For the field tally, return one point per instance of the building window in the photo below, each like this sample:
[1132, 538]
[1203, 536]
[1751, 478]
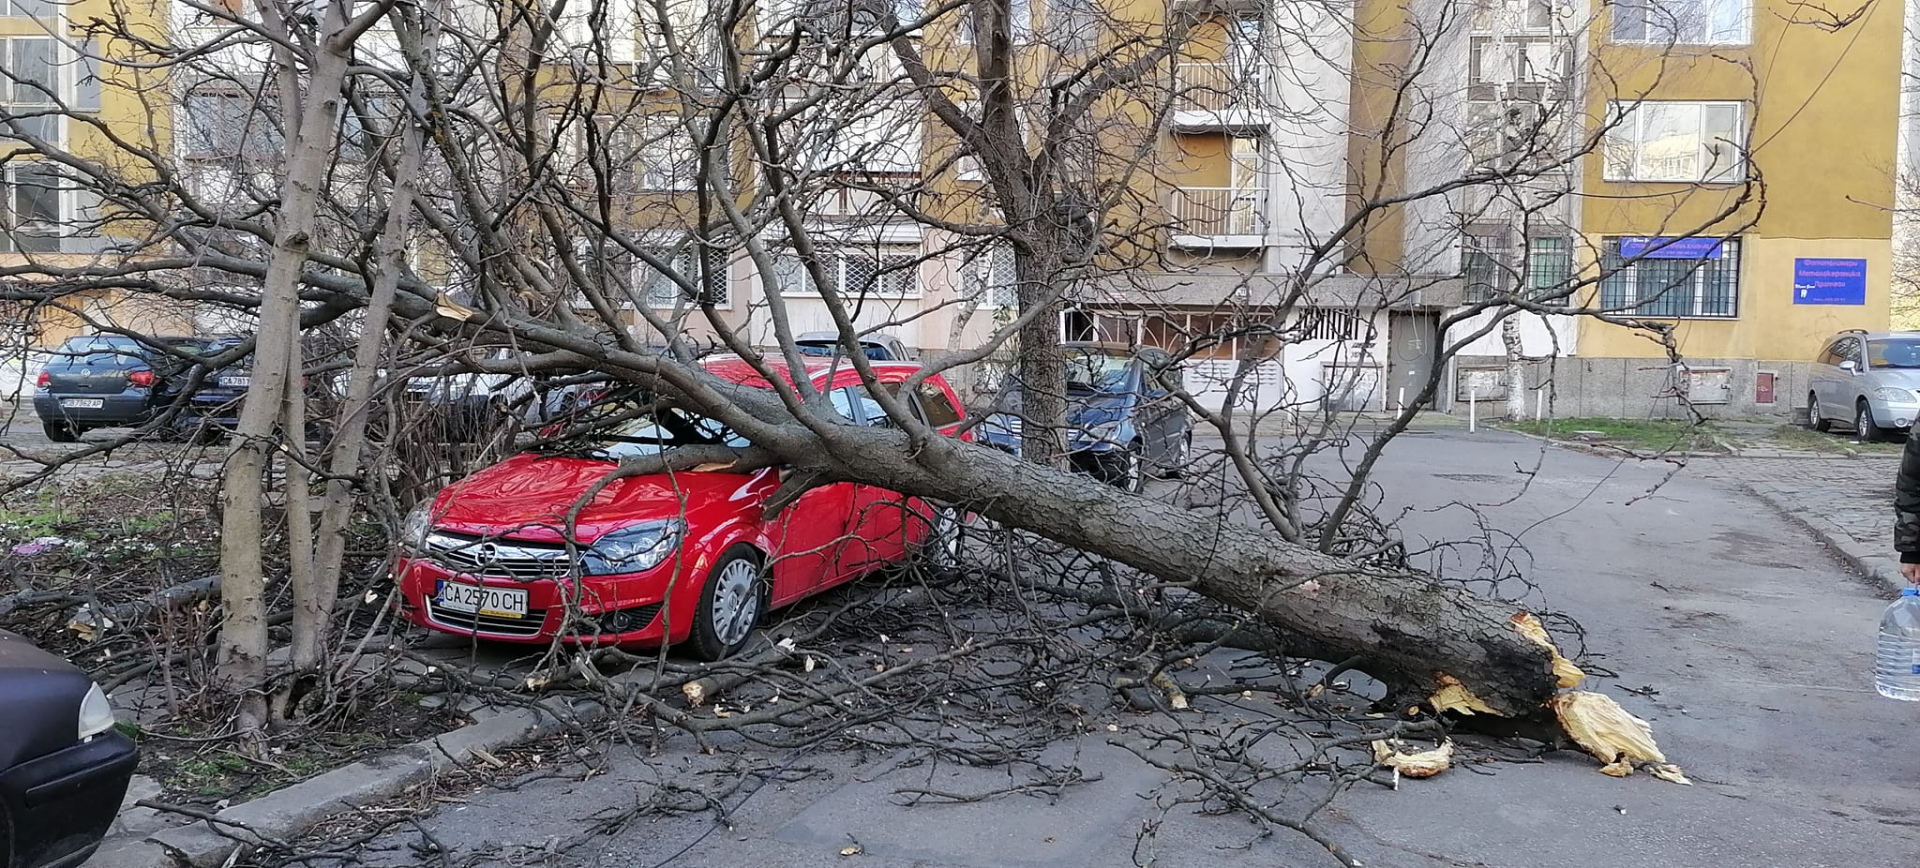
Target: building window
[30, 208]
[861, 272]
[29, 89]
[1073, 26]
[990, 279]
[44, 9]
[1704, 284]
[1483, 260]
[664, 159]
[1683, 22]
[1019, 21]
[1549, 270]
[229, 124]
[702, 267]
[1328, 324]
[1689, 142]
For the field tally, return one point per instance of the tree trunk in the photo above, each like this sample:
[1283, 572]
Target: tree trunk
[1413, 632]
[243, 634]
[1043, 373]
[1516, 367]
[389, 260]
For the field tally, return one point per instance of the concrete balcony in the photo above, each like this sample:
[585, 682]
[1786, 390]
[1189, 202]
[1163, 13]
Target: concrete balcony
[1217, 218]
[1219, 97]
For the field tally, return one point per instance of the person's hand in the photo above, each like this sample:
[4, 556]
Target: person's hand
[1912, 572]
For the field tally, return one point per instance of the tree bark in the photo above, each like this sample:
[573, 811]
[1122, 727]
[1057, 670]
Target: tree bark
[243, 635]
[389, 261]
[1413, 632]
[1516, 367]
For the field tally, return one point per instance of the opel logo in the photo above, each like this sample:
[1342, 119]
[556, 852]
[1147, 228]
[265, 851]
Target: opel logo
[489, 553]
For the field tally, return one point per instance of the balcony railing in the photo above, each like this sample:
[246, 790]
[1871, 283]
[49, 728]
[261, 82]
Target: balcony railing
[1219, 87]
[1218, 212]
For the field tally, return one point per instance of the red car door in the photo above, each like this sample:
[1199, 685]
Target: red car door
[808, 542]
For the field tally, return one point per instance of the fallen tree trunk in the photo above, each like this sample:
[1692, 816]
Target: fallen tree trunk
[1431, 643]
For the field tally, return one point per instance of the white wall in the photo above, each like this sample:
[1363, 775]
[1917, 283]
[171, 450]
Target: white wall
[1309, 87]
[1540, 335]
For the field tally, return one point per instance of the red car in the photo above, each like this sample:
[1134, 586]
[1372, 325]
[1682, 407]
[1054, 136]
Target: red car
[678, 558]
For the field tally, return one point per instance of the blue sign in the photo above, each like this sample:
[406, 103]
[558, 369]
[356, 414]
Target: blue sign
[1829, 281]
[1670, 248]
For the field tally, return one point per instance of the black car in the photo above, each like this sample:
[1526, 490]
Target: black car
[107, 381]
[1123, 421]
[64, 766]
[214, 408]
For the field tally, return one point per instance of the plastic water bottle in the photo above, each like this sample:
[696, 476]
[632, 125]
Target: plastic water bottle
[1896, 671]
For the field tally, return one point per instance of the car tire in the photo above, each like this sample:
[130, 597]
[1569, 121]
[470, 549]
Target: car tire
[61, 432]
[939, 550]
[1175, 462]
[1131, 475]
[720, 623]
[1864, 428]
[1814, 420]
[208, 434]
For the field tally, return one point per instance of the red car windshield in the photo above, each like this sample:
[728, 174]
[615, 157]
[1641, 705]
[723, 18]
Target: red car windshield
[631, 426]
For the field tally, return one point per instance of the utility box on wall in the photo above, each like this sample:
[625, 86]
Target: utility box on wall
[1763, 387]
[1481, 384]
[1708, 385]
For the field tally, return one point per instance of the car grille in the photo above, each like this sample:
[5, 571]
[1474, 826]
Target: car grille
[492, 624]
[520, 561]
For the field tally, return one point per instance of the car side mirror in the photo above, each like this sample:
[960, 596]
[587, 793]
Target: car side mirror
[1850, 366]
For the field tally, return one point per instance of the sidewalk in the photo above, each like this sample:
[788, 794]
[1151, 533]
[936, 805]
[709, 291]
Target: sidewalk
[1846, 503]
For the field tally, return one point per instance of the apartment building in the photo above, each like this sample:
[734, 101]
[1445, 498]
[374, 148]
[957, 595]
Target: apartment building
[1718, 172]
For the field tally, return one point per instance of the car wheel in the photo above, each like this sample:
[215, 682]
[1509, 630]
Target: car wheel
[208, 434]
[1814, 419]
[1864, 428]
[61, 432]
[1130, 475]
[940, 549]
[1175, 462]
[730, 605]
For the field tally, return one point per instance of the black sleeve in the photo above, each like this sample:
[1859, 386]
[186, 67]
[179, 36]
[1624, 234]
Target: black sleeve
[1906, 504]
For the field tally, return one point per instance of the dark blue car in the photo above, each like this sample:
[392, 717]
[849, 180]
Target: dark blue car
[64, 766]
[1123, 422]
[108, 381]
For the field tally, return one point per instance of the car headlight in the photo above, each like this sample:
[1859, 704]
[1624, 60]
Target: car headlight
[414, 528]
[96, 714]
[1893, 395]
[633, 549]
[1105, 432]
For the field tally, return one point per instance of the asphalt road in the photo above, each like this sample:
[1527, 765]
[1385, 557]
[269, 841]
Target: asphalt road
[1757, 642]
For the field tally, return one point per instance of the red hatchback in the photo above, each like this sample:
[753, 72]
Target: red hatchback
[684, 557]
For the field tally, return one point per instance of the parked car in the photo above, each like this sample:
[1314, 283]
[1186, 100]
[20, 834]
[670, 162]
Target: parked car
[688, 557]
[1123, 421]
[463, 407]
[108, 381]
[214, 408]
[1868, 379]
[64, 767]
[880, 347]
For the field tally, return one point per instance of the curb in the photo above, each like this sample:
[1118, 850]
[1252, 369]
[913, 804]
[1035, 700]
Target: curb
[1869, 561]
[285, 813]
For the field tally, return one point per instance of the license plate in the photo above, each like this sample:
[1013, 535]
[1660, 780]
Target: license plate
[478, 600]
[83, 403]
[236, 382]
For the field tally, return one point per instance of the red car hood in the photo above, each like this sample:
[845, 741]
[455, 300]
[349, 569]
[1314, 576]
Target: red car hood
[528, 496]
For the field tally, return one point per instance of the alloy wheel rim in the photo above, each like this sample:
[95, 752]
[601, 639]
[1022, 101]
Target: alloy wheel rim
[1813, 411]
[946, 543]
[734, 602]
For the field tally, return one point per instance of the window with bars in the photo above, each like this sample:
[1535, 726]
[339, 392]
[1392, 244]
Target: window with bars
[704, 267]
[860, 271]
[1549, 270]
[1483, 260]
[989, 278]
[1329, 324]
[230, 124]
[1661, 287]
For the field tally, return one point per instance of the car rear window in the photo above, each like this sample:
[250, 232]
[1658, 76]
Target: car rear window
[97, 350]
